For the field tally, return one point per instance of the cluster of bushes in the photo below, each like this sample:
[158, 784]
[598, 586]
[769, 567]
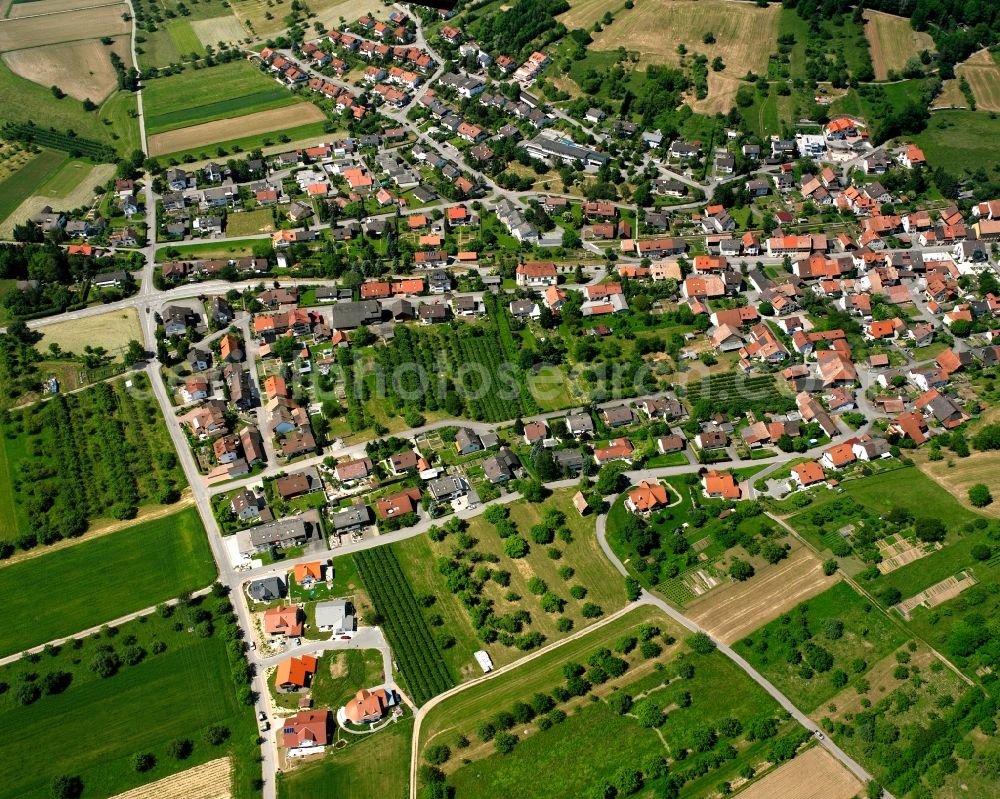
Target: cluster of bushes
[468, 571]
[797, 644]
[915, 761]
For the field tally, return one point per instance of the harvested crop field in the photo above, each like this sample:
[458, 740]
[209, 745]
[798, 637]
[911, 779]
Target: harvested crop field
[112, 330]
[36, 7]
[983, 75]
[737, 609]
[815, 774]
[584, 13]
[71, 186]
[224, 129]
[892, 42]
[745, 36]
[81, 69]
[980, 467]
[253, 13]
[210, 780]
[218, 29]
[71, 26]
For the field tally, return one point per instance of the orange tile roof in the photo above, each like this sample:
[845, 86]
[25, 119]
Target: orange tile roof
[841, 454]
[305, 571]
[809, 472]
[721, 484]
[648, 496]
[617, 448]
[282, 620]
[295, 671]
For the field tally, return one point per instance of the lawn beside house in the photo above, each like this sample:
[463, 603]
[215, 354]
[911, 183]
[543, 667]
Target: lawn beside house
[371, 767]
[62, 592]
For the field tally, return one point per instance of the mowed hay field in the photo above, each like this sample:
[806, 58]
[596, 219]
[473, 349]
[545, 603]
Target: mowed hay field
[104, 578]
[71, 186]
[81, 69]
[87, 23]
[892, 42]
[205, 95]
[36, 7]
[218, 29]
[815, 774]
[210, 780]
[983, 75]
[584, 13]
[225, 129]
[112, 330]
[744, 38]
[980, 467]
[735, 609]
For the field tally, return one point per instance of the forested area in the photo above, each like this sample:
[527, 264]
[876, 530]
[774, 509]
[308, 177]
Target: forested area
[100, 453]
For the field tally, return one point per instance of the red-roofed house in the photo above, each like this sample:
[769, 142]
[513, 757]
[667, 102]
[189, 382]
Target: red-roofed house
[838, 456]
[618, 449]
[807, 474]
[647, 497]
[306, 733]
[720, 485]
[284, 621]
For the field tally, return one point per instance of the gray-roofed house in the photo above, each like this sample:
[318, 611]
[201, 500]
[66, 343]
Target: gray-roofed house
[267, 589]
[619, 417]
[336, 616]
[570, 460]
[288, 532]
[580, 424]
[467, 442]
[500, 468]
[351, 519]
[350, 315]
[444, 489]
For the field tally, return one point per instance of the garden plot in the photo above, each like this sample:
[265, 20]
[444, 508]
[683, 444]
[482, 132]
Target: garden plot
[937, 594]
[897, 551]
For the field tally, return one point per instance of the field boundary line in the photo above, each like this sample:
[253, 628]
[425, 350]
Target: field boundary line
[39, 648]
[64, 11]
[186, 501]
[451, 692]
